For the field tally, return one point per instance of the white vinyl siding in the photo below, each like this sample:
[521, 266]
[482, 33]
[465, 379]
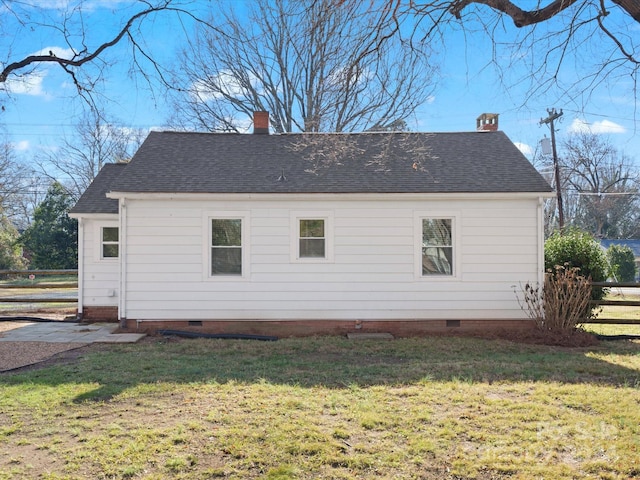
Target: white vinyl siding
[101, 276]
[376, 247]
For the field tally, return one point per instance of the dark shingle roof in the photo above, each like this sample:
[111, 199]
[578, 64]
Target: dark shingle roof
[94, 199]
[179, 162]
[633, 244]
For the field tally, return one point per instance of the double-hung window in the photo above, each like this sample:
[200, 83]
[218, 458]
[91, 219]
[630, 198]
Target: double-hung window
[109, 242]
[437, 247]
[226, 246]
[312, 237]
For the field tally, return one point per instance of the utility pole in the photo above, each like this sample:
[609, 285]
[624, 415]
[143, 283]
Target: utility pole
[553, 115]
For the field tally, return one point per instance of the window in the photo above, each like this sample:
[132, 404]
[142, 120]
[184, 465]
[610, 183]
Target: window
[226, 246]
[109, 242]
[437, 246]
[312, 238]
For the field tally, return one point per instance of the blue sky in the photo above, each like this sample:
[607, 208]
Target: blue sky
[44, 107]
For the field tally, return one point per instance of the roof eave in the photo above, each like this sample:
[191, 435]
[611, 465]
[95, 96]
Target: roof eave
[323, 195]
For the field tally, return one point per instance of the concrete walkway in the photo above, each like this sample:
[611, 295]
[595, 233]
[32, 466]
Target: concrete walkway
[64, 332]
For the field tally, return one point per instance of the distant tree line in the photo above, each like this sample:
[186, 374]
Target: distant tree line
[600, 187]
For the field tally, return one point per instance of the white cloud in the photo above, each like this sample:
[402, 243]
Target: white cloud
[202, 92]
[57, 51]
[603, 126]
[66, 5]
[223, 84]
[524, 148]
[22, 146]
[30, 84]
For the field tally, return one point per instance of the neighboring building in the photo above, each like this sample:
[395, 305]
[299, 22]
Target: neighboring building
[299, 234]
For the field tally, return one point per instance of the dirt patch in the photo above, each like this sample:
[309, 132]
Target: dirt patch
[575, 339]
[17, 355]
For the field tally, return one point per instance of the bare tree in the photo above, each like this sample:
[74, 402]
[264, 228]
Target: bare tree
[9, 174]
[554, 38]
[310, 63]
[71, 43]
[21, 188]
[79, 158]
[602, 185]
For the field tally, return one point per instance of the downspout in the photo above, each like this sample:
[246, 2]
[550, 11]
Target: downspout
[122, 299]
[80, 268]
[540, 241]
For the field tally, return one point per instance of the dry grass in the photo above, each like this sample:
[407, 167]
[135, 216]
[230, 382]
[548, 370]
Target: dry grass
[432, 408]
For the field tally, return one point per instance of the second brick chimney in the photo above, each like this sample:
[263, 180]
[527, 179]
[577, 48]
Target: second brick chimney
[487, 122]
[261, 122]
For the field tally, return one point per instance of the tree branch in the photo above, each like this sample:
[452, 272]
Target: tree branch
[615, 40]
[521, 18]
[632, 7]
[76, 60]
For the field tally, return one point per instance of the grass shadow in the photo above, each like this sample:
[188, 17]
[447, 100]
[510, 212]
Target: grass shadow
[335, 362]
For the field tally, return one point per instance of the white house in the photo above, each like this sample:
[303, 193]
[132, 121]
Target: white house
[299, 234]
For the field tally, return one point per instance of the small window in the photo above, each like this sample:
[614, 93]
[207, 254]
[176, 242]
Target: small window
[312, 238]
[437, 246]
[110, 247]
[226, 246]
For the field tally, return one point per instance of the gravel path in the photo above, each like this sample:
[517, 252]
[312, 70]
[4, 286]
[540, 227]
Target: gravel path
[20, 354]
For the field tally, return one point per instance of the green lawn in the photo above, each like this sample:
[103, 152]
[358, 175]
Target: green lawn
[431, 408]
[614, 311]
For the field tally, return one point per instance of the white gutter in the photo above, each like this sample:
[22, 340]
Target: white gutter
[328, 196]
[541, 241]
[95, 216]
[122, 298]
[80, 267]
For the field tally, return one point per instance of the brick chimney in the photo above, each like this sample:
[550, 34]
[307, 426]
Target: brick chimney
[261, 123]
[487, 122]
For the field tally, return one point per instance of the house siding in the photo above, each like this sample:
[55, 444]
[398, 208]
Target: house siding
[100, 278]
[372, 276]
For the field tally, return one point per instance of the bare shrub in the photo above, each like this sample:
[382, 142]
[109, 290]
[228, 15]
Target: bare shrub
[562, 303]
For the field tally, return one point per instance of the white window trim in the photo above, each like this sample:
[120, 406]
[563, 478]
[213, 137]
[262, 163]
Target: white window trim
[98, 241]
[455, 240]
[206, 245]
[294, 249]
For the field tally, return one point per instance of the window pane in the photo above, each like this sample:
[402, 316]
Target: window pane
[226, 232]
[110, 234]
[437, 261]
[110, 250]
[436, 232]
[437, 246]
[312, 248]
[312, 228]
[226, 261]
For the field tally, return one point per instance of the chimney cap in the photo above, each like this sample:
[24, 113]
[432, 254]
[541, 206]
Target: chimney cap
[487, 122]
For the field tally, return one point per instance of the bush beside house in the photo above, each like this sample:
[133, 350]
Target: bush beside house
[576, 248]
